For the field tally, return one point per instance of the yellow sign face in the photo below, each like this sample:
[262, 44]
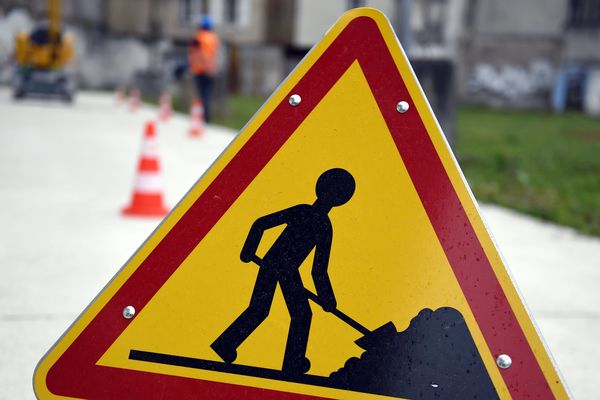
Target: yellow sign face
[333, 251]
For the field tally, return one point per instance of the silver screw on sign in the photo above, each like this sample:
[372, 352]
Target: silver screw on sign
[295, 99]
[402, 107]
[128, 312]
[504, 361]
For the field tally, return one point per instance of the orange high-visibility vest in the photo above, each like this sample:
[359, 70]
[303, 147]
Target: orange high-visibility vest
[203, 58]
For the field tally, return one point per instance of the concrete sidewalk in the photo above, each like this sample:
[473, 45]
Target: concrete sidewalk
[66, 171]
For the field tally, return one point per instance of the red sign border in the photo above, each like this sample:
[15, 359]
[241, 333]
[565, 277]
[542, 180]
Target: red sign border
[76, 374]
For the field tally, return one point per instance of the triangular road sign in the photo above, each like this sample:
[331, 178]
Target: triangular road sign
[342, 192]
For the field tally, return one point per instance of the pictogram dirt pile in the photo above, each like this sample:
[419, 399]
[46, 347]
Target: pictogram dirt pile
[435, 358]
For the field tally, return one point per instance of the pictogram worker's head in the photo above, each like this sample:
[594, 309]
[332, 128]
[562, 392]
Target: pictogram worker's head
[335, 187]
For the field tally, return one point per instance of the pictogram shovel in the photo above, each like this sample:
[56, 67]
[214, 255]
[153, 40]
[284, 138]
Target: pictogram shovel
[370, 339]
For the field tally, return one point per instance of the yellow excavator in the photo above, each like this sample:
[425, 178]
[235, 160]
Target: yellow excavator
[42, 56]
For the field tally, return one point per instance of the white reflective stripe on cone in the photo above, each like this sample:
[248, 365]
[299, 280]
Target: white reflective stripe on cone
[148, 183]
[149, 148]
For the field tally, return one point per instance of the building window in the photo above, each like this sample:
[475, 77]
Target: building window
[231, 11]
[184, 10]
[431, 27]
[188, 11]
[204, 7]
[583, 14]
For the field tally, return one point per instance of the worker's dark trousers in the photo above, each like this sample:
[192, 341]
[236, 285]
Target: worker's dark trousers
[258, 310]
[204, 87]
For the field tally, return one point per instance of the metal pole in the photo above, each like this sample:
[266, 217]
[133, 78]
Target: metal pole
[402, 14]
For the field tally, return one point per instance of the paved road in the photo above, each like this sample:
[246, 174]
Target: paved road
[66, 171]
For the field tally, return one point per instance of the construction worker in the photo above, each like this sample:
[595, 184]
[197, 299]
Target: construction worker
[203, 53]
[307, 227]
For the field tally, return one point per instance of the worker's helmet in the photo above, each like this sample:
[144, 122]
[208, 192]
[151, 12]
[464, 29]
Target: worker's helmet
[206, 22]
[335, 187]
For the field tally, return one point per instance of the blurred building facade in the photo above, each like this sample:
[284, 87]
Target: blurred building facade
[509, 53]
[533, 53]
[578, 81]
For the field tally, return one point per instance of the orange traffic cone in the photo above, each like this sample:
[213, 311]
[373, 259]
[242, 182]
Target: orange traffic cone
[147, 199]
[134, 100]
[197, 117]
[165, 106]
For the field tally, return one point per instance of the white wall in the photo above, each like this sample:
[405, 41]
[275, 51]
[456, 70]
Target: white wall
[531, 17]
